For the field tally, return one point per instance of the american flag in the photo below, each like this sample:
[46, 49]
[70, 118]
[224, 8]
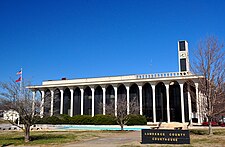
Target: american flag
[19, 72]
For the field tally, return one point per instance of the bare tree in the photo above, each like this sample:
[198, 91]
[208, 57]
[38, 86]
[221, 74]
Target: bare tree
[20, 99]
[122, 117]
[209, 62]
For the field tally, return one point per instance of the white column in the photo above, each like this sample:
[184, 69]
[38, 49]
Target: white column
[61, 104]
[93, 101]
[51, 108]
[115, 90]
[182, 102]
[168, 102]
[33, 102]
[128, 100]
[82, 101]
[103, 105]
[197, 102]
[153, 103]
[42, 103]
[201, 101]
[71, 102]
[140, 96]
[189, 105]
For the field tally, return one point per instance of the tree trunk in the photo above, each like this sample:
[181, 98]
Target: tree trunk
[210, 128]
[27, 133]
[210, 125]
[121, 126]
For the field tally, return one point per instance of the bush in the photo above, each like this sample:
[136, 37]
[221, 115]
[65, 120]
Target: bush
[213, 123]
[104, 120]
[48, 120]
[52, 120]
[135, 119]
[222, 124]
[61, 119]
[37, 120]
[89, 120]
[81, 120]
[64, 119]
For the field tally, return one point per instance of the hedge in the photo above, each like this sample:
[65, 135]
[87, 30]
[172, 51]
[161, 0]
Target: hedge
[104, 120]
[81, 120]
[88, 120]
[136, 120]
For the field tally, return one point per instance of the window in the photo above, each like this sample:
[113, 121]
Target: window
[182, 45]
[183, 65]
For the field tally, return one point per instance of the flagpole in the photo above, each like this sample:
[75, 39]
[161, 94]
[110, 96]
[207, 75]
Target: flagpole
[21, 80]
[20, 90]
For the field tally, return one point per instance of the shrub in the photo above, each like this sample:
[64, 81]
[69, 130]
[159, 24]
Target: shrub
[61, 119]
[64, 119]
[48, 120]
[135, 119]
[52, 120]
[89, 120]
[213, 123]
[104, 120]
[222, 124]
[205, 123]
[81, 120]
[40, 120]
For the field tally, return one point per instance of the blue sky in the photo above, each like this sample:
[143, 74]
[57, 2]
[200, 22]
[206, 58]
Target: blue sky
[90, 38]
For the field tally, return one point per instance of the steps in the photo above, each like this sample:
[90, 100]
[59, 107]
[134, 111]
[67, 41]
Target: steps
[171, 125]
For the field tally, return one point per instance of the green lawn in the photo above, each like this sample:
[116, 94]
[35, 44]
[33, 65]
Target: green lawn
[4, 121]
[199, 137]
[47, 137]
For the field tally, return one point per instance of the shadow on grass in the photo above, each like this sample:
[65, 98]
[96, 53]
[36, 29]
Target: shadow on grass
[199, 132]
[7, 144]
[46, 137]
[34, 139]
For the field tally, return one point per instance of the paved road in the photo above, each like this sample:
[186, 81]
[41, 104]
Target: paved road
[115, 140]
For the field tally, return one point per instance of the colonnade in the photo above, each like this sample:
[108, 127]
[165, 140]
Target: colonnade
[162, 101]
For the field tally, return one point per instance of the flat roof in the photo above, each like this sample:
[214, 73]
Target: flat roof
[169, 76]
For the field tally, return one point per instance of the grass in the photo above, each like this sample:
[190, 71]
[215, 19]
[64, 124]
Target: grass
[47, 137]
[4, 121]
[198, 137]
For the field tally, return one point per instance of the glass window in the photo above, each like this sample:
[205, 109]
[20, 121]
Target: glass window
[182, 45]
[183, 65]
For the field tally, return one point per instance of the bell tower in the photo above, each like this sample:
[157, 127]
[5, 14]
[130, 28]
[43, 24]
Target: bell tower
[183, 56]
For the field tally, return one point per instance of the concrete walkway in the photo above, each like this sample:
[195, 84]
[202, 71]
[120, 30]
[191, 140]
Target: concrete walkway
[115, 140]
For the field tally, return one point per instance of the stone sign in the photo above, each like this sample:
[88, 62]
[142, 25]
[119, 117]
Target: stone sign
[160, 136]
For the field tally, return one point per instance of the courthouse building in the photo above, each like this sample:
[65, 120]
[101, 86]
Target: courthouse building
[167, 97]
